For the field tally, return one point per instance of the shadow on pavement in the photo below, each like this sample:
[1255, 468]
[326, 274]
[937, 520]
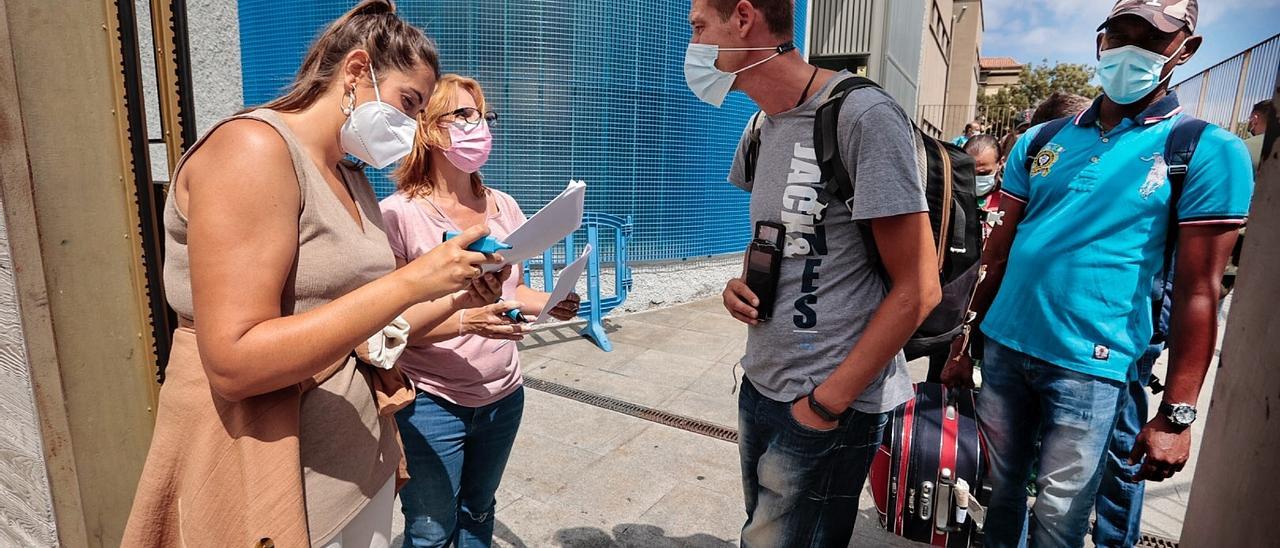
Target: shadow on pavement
[506, 535]
[561, 333]
[630, 535]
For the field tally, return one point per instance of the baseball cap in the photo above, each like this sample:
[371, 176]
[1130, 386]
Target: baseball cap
[1166, 15]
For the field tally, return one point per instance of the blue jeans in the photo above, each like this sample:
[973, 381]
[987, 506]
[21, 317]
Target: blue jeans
[1072, 414]
[1119, 499]
[456, 456]
[801, 485]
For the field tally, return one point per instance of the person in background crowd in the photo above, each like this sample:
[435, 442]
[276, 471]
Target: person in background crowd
[1261, 115]
[269, 431]
[823, 373]
[1024, 121]
[970, 129]
[1059, 104]
[985, 152]
[1006, 143]
[459, 430]
[1063, 333]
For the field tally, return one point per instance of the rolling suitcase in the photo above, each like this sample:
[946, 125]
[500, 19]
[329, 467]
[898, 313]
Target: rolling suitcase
[928, 477]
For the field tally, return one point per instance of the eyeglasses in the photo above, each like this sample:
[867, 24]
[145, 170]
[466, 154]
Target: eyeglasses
[470, 116]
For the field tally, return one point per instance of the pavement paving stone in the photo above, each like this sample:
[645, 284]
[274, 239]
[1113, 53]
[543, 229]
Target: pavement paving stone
[673, 340]
[581, 350]
[664, 368]
[602, 381]
[718, 323]
[540, 467]
[587, 427]
[670, 317]
[693, 515]
[618, 488]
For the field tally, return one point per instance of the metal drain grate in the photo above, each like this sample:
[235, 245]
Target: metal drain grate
[1149, 540]
[639, 411]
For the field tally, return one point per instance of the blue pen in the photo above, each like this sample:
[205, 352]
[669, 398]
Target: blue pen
[488, 245]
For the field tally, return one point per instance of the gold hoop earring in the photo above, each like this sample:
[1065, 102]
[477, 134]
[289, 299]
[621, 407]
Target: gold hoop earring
[349, 102]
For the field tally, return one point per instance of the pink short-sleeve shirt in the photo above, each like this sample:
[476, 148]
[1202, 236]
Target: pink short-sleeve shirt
[470, 370]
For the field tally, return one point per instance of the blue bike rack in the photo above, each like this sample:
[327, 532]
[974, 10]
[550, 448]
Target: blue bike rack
[594, 307]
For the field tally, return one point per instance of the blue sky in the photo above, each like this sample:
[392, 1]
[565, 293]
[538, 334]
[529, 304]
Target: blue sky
[1063, 30]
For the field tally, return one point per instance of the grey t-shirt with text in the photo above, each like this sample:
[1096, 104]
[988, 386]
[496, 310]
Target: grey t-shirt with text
[828, 291]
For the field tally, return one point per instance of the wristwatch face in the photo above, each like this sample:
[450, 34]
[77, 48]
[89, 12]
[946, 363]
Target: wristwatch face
[1182, 414]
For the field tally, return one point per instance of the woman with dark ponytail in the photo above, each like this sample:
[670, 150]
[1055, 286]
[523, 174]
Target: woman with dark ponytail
[275, 423]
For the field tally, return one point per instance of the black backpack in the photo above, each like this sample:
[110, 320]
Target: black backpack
[948, 173]
[1179, 147]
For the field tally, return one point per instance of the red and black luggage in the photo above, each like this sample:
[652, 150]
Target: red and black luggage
[930, 444]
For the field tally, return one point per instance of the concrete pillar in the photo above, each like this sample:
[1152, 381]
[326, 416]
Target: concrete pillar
[1237, 486]
[77, 387]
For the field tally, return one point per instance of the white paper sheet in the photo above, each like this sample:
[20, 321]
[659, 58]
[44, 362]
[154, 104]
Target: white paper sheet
[559, 218]
[568, 280]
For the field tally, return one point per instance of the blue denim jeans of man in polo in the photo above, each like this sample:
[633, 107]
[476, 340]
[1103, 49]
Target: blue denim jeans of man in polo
[801, 485]
[456, 456]
[1119, 502]
[1022, 399]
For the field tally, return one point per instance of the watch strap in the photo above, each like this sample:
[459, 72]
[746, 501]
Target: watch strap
[820, 410]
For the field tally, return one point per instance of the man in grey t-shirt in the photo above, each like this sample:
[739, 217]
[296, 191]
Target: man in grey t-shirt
[822, 374]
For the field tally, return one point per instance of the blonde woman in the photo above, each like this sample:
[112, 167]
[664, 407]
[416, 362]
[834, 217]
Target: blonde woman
[459, 431]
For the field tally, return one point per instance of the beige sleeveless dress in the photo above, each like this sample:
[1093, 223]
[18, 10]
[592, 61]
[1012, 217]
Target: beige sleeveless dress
[347, 452]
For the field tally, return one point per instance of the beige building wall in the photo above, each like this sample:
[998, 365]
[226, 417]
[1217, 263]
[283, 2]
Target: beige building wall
[996, 80]
[962, 80]
[934, 64]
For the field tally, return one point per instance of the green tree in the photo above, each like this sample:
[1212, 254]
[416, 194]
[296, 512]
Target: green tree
[1037, 82]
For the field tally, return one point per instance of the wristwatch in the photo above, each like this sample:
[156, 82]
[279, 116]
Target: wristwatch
[821, 411]
[1180, 414]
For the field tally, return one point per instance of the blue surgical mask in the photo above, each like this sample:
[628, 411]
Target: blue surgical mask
[1129, 73]
[985, 183]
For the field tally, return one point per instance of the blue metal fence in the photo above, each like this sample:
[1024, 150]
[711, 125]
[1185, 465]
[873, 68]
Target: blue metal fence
[586, 89]
[596, 305]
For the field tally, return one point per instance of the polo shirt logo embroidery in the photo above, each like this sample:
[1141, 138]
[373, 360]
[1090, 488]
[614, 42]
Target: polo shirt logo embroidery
[1045, 159]
[1156, 176]
[1101, 352]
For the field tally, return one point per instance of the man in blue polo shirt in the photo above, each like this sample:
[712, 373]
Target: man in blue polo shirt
[1066, 304]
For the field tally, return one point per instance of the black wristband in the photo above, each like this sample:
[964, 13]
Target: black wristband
[821, 411]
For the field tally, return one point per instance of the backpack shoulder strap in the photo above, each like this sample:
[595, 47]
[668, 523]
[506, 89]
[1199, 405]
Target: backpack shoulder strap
[1042, 138]
[752, 153]
[1179, 148]
[826, 138]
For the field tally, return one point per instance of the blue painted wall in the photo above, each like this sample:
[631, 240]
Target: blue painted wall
[590, 90]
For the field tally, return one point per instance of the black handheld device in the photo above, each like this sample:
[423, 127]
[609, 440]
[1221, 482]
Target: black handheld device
[764, 264]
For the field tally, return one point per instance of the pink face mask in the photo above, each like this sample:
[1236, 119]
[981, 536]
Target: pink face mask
[471, 146]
